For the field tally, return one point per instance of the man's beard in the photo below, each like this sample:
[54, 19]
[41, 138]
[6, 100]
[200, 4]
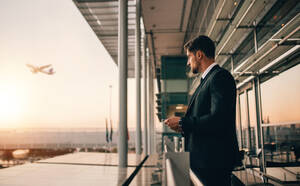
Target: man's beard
[195, 71]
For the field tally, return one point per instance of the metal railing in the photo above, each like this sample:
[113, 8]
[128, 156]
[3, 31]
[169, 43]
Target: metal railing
[177, 170]
[170, 175]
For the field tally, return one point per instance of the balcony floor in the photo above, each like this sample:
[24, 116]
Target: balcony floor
[82, 168]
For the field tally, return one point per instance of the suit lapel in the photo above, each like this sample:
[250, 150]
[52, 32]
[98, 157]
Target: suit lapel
[199, 87]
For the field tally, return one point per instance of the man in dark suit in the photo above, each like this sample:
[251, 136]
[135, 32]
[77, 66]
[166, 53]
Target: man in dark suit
[209, 122]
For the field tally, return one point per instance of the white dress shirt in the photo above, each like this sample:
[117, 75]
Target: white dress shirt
[208, 69]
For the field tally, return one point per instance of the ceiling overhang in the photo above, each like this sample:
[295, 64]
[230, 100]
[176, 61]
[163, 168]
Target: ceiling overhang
[102, 16]
[165, 25]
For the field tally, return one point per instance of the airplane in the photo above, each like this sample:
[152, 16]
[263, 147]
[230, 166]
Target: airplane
[36, 69]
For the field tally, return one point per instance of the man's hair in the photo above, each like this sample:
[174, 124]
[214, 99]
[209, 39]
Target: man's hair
[203, 43]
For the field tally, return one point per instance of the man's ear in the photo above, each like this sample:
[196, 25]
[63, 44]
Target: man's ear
[199, 54]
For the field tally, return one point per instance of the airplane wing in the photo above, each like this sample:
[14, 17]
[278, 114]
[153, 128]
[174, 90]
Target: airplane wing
[30, 66]
[33, 69]
[45, 66]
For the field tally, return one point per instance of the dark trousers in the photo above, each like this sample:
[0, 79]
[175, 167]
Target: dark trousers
[213, 177]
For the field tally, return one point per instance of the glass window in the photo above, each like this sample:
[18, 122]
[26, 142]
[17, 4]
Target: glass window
[280, 97]
[282, 144]
[281, 108]
[252, 108]
[252, 117]
[244, 122]
[238, 123]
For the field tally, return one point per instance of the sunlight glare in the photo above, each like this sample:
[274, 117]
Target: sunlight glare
[10, 104]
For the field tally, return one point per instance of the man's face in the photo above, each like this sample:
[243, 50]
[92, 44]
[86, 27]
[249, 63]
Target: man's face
[192, 62]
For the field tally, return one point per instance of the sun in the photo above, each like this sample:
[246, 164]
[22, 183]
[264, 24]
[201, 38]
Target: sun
[10, 105]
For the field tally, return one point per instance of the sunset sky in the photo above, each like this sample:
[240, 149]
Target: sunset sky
[41, 32]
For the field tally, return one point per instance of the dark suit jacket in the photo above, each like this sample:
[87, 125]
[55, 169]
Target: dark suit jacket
[209, 123]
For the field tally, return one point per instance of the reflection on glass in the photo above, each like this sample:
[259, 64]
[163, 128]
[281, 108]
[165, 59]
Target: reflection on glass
[244, 122]
[280, 97]
[252, 108]
[252, 118]
[282, 144]
[238, 122]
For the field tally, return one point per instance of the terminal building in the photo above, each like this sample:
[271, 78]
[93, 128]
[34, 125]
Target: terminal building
[257, 41]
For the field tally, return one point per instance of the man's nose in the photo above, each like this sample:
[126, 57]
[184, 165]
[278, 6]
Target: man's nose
[188, 63]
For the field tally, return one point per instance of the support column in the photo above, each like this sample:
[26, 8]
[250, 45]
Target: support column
[150, 106]
[239, 120]
[248, 120]
[122, 63]
[138, 144]
[145, 99]
[256, 129]
[259, 122]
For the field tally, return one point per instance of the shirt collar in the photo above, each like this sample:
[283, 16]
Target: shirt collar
[208, 69]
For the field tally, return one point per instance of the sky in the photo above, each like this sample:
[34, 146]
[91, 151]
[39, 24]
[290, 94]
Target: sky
[280, 97]
[41, 32]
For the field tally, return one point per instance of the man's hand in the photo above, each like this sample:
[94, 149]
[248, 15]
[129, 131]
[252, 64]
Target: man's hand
[173, 123]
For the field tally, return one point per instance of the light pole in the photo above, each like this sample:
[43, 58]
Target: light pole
[110, 121]
[110, 92]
